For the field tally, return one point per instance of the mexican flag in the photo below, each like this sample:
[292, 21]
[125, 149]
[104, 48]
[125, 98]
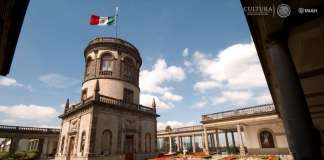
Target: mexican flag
[102, 21]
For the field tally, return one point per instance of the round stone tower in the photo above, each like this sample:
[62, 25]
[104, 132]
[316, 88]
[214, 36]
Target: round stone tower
[114, 64]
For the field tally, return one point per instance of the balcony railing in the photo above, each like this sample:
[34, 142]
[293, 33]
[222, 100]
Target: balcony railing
[255, 110]
[112, 40]
[113, 101]
[29, 129]
[182, 129]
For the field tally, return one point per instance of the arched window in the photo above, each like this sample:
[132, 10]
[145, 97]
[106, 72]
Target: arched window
[106, 63]
[147, 142]
[62, 144]
[106, 142]
[82, 142]
[88, 66]
[266, 139]
[129, 70]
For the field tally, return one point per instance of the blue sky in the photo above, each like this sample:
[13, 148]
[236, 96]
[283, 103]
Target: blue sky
[203, 48]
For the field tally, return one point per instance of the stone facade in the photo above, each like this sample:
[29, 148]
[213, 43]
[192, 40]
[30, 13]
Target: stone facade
[109, 123]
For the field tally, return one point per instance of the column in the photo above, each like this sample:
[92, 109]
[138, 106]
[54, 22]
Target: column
[170, 144]
[13, 145]
[212, 141]
[242, 150]
[44, 149]
[206, 140]
[233, 139]
[178, 144]
[226, 140]
[233, 149]
[217, 141]
[292, 104]
[193, 143]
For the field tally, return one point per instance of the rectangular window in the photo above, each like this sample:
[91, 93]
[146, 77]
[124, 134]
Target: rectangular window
[107, 66]
[128, 95]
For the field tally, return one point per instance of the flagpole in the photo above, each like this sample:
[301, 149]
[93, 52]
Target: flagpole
[116, 21]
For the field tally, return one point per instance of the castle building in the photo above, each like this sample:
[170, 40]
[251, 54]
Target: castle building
[108, 122]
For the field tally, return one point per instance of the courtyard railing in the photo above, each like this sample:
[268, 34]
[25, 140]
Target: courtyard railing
[29, 129]
[255, 110]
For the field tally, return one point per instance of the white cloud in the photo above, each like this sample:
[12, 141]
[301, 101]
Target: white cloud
[187, 63]
[7, 82]
[202, 86]
[171, 96]
[236, 66]
[153, 82]
[147, 99]
[237, 97]
[185, 52]
[235, 72]
[57, 80]
[174, 124]
[200, 104]
[29, 111]
[264, 98]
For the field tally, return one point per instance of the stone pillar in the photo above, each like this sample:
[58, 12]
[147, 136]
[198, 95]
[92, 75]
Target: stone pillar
[181, 143]
[193, 143]
[233, 139]
[44, 148]
[13, 145]
[292, 104]
[206, 149]
[212, 140]
[217, 141]
[226, 140]
[170, 144]
[242, 150]
[178, 144]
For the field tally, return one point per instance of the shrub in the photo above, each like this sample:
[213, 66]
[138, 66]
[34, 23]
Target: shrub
[4, 155]
[32, 154]
[20, 154]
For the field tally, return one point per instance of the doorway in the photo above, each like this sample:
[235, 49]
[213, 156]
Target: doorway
[70, 149]
[129, 147]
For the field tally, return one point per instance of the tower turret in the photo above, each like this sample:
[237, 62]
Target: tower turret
[114, 64]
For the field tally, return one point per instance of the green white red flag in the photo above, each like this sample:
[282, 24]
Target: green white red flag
[102, 21]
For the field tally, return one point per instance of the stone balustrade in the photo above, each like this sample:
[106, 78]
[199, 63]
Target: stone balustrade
[112, 101]
[28, 129]
[255, 110]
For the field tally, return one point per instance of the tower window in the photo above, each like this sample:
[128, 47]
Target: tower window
[106, 62]
[128, 95]
[82, 143]
[84, 94]
[128, 69]
[88, 66]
